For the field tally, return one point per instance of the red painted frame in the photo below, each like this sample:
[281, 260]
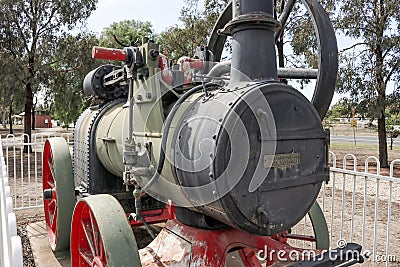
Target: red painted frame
[211, 247]
[156, 216]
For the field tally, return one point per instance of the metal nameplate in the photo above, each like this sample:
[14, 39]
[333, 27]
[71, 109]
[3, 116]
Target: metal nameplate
[282, 161]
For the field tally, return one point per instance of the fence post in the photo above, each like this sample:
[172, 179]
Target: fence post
[4, 259]
[10, 243]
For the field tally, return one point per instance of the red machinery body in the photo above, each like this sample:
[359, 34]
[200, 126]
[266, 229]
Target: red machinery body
[182, 245]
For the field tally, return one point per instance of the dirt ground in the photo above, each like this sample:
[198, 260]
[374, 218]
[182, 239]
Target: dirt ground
[362, 154]
[346, 214]
[335, 198]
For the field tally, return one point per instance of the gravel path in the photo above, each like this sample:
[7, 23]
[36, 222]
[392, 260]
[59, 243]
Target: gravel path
[24, 218]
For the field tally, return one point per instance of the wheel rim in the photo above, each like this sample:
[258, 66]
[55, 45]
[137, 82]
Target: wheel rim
[101, 235]
[50, 206]
[320, 226]
[91, 249]
[58, 192]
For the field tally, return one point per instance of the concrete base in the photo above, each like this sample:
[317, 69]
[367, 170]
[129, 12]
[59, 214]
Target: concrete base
[41, 250]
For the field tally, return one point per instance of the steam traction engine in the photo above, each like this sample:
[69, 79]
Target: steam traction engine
[223, 152]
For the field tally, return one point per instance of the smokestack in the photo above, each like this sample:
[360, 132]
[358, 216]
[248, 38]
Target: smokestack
[253, 28]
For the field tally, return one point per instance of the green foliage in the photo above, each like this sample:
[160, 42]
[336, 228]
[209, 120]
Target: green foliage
[9, 82]
[391, 132]
[197, 18]
[68, 71]
[177, 42]
[299, 38]
[368, 66]
[30, 33]
[126, 31]
[374, 60]
[393, 107]
[342, 109]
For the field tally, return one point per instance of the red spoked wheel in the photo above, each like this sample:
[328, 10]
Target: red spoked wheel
[58, 192]
[101, 234]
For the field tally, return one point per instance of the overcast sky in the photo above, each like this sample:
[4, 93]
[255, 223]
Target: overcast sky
[161, 14]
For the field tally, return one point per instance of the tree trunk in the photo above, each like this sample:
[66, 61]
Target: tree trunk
[29, 99]
[383, 154]
[281, 56]
[279, 46]
[10, 118]
[33, 117]
[381, 90]
[391, 142]
[28, 115]
[3, 118]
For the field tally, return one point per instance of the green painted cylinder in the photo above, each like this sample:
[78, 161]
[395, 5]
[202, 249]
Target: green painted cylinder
[109, 139]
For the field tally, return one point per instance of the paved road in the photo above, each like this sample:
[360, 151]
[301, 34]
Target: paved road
[360, 139]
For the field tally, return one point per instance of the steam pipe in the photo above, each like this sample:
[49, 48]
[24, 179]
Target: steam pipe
[130, 99]
[224, 68]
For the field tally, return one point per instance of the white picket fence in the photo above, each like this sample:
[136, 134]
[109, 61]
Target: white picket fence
[363, 206]
[10, 242]
[360, 206]
[25, 168]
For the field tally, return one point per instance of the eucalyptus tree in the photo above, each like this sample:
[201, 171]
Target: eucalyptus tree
[63, 90]
[11, 89]
[373, 60]
[127, 32]
[30, 28]
[196, 22]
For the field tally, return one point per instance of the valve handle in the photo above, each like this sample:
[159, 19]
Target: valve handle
[109, 53]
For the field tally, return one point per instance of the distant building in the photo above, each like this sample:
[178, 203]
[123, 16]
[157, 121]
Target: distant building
[42, 119]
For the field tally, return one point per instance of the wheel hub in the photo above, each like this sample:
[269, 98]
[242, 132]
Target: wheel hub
[50, 194]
